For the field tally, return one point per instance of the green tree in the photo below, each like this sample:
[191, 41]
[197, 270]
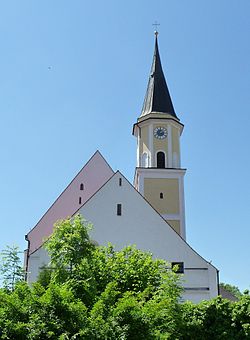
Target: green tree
[91, 293]
[11, 269]
[127, 293]
[216, 319]
[44, 276]
[69, 244]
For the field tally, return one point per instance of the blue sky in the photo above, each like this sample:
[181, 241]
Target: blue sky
[73, 79]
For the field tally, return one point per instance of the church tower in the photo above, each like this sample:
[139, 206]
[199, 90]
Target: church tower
[159, 176]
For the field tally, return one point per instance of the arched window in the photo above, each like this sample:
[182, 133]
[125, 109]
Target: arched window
[161, 195]
[160, 160]
[81, 186]
[144, 160]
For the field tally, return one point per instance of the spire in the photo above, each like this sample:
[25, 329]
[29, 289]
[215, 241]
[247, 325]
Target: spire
[157, 97]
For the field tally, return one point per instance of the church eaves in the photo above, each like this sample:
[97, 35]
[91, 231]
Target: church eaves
[157, 98]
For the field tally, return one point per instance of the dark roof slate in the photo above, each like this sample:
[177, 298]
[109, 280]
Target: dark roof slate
[157, 98]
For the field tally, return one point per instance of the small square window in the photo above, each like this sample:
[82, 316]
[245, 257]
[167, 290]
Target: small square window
[119, 209]
[180, 267]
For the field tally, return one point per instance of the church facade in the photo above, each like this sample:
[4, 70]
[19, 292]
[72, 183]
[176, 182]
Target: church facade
[151, 212]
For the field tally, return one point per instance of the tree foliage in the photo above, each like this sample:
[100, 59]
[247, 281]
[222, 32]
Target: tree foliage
[69, 244]
[217, 319]
[11, 269]
[90, 292]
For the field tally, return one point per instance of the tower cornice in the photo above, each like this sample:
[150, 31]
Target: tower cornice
[156, 118]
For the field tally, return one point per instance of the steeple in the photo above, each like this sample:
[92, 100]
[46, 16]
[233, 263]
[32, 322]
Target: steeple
[157, 98]
[159, 176]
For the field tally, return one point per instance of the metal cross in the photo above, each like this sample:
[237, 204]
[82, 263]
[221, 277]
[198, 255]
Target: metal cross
[156, 24]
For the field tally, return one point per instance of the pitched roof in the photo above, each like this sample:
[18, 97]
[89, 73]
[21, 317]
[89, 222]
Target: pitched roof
[157, 98]
[227, 295]
[155, 230]
[92, 176]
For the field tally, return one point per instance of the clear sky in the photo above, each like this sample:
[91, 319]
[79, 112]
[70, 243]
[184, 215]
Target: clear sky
[73, 79]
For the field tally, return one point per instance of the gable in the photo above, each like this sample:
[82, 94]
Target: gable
[138, 223]
[90, 178]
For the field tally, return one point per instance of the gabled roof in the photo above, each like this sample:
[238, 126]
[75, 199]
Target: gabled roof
[227, 295]
[92, 176]
[141, 224]
[157, 98]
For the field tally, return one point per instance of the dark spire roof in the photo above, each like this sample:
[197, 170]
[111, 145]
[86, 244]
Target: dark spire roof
[157, 97]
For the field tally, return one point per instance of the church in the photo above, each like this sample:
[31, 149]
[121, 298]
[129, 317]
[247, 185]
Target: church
[149, 213]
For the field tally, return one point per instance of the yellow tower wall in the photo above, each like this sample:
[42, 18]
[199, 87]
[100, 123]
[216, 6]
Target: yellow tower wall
[144, 140]
[175, 224]
[169, 204]
[160, 144]
[175, 141]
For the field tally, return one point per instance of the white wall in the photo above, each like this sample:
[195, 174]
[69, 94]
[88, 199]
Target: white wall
[140, 224]
[36, 261]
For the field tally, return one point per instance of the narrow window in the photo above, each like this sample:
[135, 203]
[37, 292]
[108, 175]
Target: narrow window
[160, 160]
[180, 267]
[161, 195]
[120, 181]
[80, 200]
[81, 186]
[119, 209]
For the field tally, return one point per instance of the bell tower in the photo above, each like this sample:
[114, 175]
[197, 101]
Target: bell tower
[158, 175]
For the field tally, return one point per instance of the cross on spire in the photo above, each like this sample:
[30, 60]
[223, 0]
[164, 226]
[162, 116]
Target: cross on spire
[156, 24]
[157, 98]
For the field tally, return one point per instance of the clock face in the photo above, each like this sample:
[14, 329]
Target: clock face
[160, 132]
